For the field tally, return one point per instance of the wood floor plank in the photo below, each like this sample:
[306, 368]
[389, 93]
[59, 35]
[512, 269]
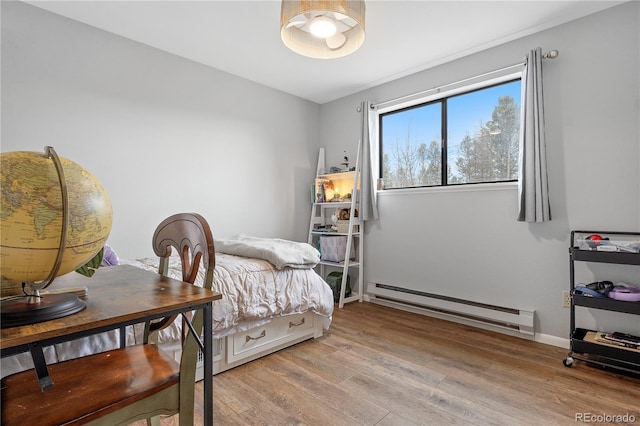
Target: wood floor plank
[494, 396]
[394, 419]
[386, 367]
[355, 407]
[320, 361]
[420, 408]
[370, 360]
[420, 390]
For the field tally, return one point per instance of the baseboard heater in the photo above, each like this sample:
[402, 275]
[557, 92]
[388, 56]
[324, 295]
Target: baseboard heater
[510, 320]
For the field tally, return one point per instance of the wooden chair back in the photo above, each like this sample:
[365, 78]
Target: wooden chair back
[190, 235]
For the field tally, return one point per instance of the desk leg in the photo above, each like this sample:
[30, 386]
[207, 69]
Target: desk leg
[123, 336]
[208, 364]
[40, 365]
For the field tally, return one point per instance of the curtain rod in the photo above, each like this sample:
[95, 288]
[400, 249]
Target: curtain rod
[552, 54]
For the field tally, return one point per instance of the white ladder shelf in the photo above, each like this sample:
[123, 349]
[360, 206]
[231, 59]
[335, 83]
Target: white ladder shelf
[321, 212]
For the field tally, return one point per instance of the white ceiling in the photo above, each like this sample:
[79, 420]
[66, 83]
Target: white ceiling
[402, 37]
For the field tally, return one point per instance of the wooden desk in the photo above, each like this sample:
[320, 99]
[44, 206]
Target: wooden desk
[118, 296]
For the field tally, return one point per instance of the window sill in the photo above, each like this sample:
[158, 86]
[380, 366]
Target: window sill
[500, 186]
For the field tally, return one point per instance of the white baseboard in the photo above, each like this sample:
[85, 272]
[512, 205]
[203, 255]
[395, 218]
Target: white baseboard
[548, 339]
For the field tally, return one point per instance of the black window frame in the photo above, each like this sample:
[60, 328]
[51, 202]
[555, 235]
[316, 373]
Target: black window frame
[443, 140]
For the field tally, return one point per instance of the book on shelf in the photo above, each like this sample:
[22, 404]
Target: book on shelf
[324, 228]
[601, 338]
[622, 339]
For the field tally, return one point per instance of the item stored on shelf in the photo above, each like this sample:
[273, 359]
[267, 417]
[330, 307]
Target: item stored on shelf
[583, 290]
[334, 279]
[601, 338]
[603, 242]
[623, 337]
[603, 287]
[334, 247]
[342, 227]
[629, 294]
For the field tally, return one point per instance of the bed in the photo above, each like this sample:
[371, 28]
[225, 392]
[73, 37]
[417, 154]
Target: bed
[266, 305]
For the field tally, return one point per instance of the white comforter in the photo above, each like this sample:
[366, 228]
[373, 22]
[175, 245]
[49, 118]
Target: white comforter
[281, 253]
[253, 291]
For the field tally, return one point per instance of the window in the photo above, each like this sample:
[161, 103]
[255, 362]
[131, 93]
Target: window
[462, 138]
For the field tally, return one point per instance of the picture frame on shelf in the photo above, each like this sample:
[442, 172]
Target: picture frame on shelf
[320, 194]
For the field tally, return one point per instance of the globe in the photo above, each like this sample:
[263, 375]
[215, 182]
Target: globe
[31, 219]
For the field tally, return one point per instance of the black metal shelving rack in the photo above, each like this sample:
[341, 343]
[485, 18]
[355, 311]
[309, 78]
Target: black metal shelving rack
[603, 355]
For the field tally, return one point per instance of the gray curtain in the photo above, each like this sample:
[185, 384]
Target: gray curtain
[368, 141]
[533, 188]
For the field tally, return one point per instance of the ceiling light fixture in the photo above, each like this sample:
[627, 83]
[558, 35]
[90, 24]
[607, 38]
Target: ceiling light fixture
[322, 29]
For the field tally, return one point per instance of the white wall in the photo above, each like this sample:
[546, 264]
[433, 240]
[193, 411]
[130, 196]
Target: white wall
[468, 244]
[162, 134]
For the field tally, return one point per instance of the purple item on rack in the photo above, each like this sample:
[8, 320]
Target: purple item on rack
[628, 294]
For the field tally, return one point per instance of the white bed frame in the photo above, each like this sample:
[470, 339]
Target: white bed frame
[237, 349]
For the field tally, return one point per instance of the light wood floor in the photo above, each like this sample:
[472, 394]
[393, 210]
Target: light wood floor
[382, 366]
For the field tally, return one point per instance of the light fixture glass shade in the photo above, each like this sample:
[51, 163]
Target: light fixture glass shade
[295, 27]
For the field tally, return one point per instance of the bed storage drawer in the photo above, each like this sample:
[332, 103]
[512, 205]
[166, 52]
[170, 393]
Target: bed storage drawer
[278, 332]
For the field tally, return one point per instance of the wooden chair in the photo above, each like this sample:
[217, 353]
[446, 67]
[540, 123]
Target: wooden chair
[126, 384]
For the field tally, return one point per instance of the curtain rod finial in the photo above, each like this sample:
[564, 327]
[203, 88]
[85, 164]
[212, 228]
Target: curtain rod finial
[552, 54]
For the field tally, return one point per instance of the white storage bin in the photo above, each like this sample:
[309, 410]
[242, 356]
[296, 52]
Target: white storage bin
[333, 248]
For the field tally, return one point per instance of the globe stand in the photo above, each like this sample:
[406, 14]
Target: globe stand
[24, 310]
